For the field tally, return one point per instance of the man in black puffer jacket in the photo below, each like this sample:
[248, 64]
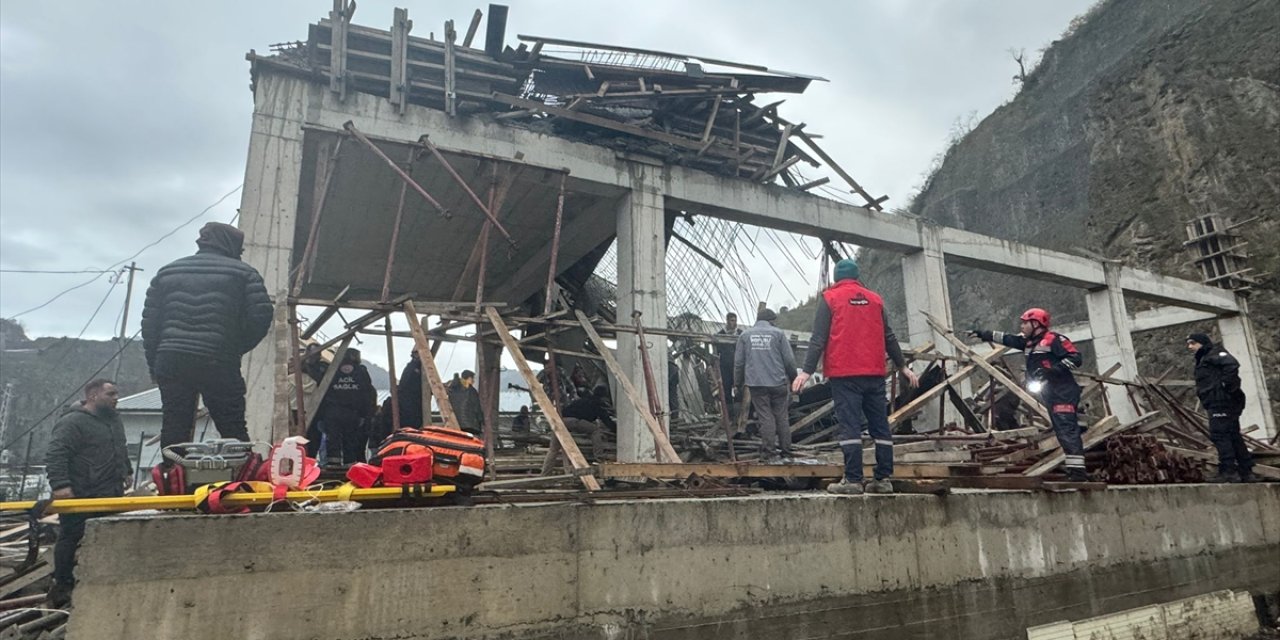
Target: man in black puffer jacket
[203, 312]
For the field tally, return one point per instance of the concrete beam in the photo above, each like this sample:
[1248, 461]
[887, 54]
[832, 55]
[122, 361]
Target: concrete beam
[641, 287]
[1239, 340]
[1148, 320]
[268, 211]
[1154, 287]
[1113, 340]
[924, 276]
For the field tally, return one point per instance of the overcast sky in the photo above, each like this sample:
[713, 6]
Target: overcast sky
[120, 120]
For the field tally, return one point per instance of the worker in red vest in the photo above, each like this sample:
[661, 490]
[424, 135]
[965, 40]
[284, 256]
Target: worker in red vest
[1051, 359]
[852, 336]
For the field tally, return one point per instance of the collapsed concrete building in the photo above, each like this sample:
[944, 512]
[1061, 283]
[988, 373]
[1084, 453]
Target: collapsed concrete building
[484, 184]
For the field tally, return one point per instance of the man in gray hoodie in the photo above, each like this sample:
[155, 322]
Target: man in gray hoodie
[764, 362]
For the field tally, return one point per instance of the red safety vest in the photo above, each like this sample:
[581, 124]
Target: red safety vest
[855, 346]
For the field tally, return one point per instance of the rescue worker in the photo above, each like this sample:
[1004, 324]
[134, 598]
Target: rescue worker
[345, 410]
[1051, 361]
[202, 313]
[851, 334]
[87, 458]
[725, 352]
[765, 363]
[589, 415]
[465, 400]
[1218, 387]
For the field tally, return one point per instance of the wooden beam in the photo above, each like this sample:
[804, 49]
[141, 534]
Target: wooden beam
[432, 373]
[929, 394]
[661, 444]
[947, 334]
[450, 70]
[567, 443]
[472, 28]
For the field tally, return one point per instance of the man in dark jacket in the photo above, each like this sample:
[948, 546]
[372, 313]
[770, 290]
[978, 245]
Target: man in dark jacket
[345, 410]
[86, 458]
[1051, 359]
[409, 393]
[765, 363]
[725, 352]
[203, 312]
[589, 415]
[851, 334]
[1218, 387]
[465, 400]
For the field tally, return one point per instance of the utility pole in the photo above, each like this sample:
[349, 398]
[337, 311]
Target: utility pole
[124, 317]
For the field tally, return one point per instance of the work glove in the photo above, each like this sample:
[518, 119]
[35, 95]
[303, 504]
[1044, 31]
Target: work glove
[981, 334]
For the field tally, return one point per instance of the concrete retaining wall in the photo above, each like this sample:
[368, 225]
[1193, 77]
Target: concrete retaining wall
[982, 565]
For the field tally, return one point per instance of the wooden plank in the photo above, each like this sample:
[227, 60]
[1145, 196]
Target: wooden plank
[962, 373]
[472, 28]
[872, 203]
[711, 121]
[567, 443]
[947, 334]
[322, 388]
[674, 471]
[1105, 428]
[429, 368]
[450, 70]
[662, 444]
[1260, 470]
[37, 574]
[399, 78]
[814, 416]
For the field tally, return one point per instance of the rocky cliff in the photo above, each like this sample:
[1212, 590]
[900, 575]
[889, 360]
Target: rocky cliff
[1145, 115]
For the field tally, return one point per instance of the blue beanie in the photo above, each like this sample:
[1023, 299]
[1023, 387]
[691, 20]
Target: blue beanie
[846, 270]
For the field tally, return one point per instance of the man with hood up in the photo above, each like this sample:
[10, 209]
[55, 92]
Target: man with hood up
[202, 313]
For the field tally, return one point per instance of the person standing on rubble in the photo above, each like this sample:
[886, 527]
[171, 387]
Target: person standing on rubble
[765, 363]
[87, 458]
[1051, 361]
[345, 410]
[725, 351]
[589, 416]
[1218, 387]
[851, 334]
[465, 400]
[202, 314]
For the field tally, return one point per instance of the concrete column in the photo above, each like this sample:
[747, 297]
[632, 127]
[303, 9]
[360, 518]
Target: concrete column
[1113, 339]
[641, 287]
[1238, 339]
[268, 212]
[924, 275]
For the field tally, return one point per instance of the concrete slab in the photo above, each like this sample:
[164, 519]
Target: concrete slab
[971, 565]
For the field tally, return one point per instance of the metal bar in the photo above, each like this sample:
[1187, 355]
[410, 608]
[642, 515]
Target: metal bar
[424, 141]
[651, 385]
[308, 253]
[555, 246]
[351, 128]
[297, 423]
[395, 234]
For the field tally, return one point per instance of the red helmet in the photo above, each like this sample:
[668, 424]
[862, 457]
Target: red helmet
[1036, 314]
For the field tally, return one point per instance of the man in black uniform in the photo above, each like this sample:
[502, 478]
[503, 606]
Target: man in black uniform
[1051, 359]
[350, 402]
[726, 352]
[589, 415]
[1218, 387]
[465, 400]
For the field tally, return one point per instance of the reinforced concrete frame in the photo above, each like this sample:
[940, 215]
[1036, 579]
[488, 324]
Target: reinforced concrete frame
[289, 107]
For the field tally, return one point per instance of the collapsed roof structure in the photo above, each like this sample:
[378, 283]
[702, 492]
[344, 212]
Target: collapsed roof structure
[484, 184]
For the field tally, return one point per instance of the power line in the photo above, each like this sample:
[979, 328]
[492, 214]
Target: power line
[112, 268]
[98, 271]
[57, 407]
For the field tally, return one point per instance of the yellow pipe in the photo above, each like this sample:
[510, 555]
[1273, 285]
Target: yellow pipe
[231, 500]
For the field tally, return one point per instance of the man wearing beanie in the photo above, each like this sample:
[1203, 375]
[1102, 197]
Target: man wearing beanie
[1218, 387]
[764, 362]
[851, 334]
[202, 313]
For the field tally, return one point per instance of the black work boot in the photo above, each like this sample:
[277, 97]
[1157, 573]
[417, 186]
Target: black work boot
[1076, 474]
[1225, 477]
[1249, 476]
[60, 595]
